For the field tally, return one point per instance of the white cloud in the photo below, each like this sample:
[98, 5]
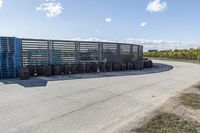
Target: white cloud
[1, 3]
[108, 20]
[149, 44]
[89, 39]
[51, 8]
[143, 24]
[156, 6]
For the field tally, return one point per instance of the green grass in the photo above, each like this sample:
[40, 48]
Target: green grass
[192, 100]
[169, 123]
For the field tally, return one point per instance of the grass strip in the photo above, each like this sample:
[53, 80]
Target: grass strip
[192, 100]
[169, 123]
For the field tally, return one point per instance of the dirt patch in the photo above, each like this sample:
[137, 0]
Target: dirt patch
[176, 105]
[197, 86]
[168, 123]
[191, 100]
[180, 114]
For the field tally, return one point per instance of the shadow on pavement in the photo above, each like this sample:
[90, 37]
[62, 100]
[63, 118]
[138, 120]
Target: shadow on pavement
[42, 81]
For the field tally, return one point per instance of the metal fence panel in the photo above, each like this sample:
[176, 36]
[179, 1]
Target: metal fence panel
[35, 52]
[53, 52]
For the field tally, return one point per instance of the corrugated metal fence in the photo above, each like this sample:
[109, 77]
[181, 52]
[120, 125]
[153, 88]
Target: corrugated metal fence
[51, 52]
[63, 56]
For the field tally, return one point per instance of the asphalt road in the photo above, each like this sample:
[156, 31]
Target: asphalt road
[89, 105]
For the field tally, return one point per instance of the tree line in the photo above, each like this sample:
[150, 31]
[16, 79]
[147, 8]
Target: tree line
[191, 54]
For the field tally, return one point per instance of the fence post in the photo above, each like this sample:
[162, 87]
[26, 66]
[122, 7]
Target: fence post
[131, 52]
[50, 48]
[138, 54]
[77, 52]
[21, 52]
[100, 52]
[118, 52]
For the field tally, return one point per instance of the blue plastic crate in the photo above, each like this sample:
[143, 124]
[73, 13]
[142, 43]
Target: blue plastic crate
[10, 56]
[10, 62]
[4, 66]
[0, 44]
[8, 74]
[11, 44]
[11, 67]
[18, 46]
[4, 74]
[4, 44]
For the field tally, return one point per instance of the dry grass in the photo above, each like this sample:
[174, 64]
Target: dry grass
[169, 123]
[197, 86]
[183, 115]
[191, 100]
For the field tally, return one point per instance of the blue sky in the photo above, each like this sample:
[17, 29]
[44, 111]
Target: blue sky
[140, 20]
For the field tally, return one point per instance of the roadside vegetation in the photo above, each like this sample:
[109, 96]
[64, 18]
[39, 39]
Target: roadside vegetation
[197, 86]
[169, 123]
[191, 100]
[180, 114]
[192, 55]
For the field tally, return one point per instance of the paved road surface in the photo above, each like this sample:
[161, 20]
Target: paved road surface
[103, 104]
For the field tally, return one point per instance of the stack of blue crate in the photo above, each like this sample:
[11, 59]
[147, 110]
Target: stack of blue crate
[10, 57]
